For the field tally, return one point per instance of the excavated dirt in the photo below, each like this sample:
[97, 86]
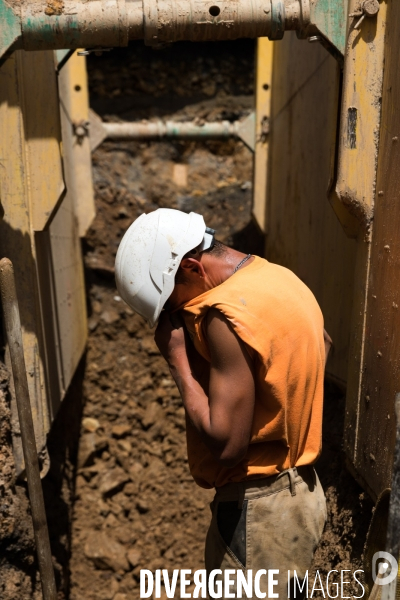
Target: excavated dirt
[135, 503]
[17, 572]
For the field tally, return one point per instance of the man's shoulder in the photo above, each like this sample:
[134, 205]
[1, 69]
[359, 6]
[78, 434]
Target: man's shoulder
[221, 334]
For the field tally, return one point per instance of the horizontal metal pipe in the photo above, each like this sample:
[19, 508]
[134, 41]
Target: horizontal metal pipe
[168, 20]
[170, 130]
[47, 24]
[98, 130]
[96, 23]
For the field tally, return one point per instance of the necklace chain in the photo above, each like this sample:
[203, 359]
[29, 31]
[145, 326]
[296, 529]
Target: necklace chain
[242, 262]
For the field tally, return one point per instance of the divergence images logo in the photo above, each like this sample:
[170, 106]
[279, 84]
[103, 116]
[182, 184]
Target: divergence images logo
[387, 570]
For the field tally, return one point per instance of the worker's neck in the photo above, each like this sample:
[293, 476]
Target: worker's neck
[204, 274]
[219, 268]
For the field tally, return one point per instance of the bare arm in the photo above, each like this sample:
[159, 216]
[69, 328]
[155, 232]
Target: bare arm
[223, 414]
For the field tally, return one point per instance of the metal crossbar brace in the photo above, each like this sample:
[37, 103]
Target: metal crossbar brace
[98, 130]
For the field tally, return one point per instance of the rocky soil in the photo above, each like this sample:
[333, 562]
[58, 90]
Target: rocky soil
[19, 577]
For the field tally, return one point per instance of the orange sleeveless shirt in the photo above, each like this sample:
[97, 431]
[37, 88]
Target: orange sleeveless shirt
[277, 316]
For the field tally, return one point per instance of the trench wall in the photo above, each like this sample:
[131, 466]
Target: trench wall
[303, 232]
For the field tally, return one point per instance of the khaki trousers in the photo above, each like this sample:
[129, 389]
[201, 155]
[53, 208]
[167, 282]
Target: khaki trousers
[271, 523]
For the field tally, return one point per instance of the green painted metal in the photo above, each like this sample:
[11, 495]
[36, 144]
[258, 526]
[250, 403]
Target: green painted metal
[331, 18]
[10, 26]
[50, 32]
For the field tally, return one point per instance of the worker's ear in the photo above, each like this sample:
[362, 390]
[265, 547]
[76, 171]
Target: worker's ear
[192, 266]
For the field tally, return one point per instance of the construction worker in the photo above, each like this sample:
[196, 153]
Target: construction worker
[244, 341]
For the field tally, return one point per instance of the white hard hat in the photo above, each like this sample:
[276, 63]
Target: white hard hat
[149, 256]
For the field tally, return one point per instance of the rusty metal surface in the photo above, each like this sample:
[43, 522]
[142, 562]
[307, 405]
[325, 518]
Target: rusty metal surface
[303, 231]
[263, 112]
[372, 419]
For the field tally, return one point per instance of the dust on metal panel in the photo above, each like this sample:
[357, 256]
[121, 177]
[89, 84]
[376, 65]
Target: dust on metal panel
[71, 24]
[74, 110]
[42, 135]
[303, 231]
[264, 59]
[373, 441]
[353, 199]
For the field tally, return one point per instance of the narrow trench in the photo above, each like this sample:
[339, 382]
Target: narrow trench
[127, 500]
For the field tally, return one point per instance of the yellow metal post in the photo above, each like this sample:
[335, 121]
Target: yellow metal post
[74, 107]
[353, 197]
[264, 57]
[370, 415]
